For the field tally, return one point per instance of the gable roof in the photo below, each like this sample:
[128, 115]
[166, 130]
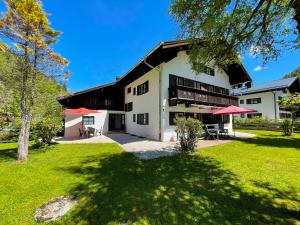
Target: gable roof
[269, 86]
[164, 52]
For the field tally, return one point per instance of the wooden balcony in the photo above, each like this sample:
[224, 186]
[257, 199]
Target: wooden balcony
[181, 95]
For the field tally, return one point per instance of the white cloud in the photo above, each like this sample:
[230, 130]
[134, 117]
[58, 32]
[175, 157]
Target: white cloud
[258, 68]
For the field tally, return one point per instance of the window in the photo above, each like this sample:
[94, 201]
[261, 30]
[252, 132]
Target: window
[189, 83]
[128, 107]
[107, 102]
[143, 119]
[175, 81]
[285, 115]
[206, 118]
[242, 115]
[88, 120]
[93, 101]
[129, 90]
[253, 101]
[173, 116]
[134, 91]
[205, 69]
[253, 115]
[133, 118]
[143, 88]
[211, 88]
[242, 101]
[210, 71]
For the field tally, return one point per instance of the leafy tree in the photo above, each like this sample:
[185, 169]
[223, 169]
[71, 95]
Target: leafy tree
[226, 27]
[30, 36]
[291, 103]
[295, 73]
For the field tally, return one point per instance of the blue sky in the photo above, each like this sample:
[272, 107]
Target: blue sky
[104, 39]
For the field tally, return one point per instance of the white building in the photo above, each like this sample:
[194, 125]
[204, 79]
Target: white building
[265, 98]
[161, 87]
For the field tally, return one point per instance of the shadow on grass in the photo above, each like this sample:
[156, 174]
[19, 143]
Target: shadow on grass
[183, 189]
[275, 141]
[12, 153]
[8, 154]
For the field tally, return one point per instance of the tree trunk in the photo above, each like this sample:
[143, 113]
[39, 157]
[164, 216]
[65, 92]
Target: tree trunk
[23, 145]
[23, 139]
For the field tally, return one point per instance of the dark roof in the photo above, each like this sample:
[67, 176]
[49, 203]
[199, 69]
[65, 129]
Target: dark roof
[86, 90]
[164, 52]
[269, 86]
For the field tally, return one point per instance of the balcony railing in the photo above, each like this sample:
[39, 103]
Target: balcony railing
[179, 95]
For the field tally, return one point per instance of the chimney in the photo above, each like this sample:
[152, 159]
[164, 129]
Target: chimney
[118, 78]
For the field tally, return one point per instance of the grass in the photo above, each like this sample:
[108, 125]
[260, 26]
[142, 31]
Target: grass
[242, 182]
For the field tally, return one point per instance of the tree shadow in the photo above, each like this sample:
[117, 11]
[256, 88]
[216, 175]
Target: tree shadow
[275, 141]
[8, 154]
[183, 189]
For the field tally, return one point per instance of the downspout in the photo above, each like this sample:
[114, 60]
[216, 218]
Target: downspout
[159, 98]
[275, 105]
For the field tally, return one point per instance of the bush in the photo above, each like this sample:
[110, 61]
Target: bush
[286, 126]
[257, 123]
[8, 136]
[188, 132]
[46, 129]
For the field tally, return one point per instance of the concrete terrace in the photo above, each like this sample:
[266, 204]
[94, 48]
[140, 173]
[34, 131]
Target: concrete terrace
[144, 148]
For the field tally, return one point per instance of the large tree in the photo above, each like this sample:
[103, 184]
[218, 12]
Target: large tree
[294, 73]
[229, 27]
[27, 29]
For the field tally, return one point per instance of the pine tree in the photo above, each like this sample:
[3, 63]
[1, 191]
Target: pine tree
[26, 26]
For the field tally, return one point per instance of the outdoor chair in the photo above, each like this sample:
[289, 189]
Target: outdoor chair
[81, 133]
[91, 130]
[222, 130]
[210, 134]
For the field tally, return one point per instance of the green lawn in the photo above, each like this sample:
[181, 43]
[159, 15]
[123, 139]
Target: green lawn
[243, 182]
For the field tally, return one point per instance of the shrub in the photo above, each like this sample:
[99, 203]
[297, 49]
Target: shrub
[286, 126]
[188, 132]
[258, 123]
[8, 136]
[46, 129]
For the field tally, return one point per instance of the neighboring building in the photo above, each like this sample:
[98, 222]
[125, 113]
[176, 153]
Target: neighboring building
[264, 98]
[161, 87]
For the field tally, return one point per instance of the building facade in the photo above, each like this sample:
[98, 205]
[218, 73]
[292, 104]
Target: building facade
[265, 98]
[161, 87]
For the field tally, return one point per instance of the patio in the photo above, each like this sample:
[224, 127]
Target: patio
[144, 148]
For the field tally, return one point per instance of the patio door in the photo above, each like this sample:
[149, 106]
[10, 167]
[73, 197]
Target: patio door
[116, 122]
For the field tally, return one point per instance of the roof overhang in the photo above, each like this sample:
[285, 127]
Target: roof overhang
[162, 53]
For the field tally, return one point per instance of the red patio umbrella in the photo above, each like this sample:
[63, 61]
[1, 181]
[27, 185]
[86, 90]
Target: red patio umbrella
[233, 110]
[81, 111]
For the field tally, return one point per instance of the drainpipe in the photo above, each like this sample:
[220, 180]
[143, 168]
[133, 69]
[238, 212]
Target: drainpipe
[159, 98]
[275, 106]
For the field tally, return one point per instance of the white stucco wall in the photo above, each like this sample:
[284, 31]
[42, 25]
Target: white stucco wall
[180, 66]
[267, 105]
[146, 103]
[74, 122]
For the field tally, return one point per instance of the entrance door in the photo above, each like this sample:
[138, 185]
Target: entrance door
[116, 122]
